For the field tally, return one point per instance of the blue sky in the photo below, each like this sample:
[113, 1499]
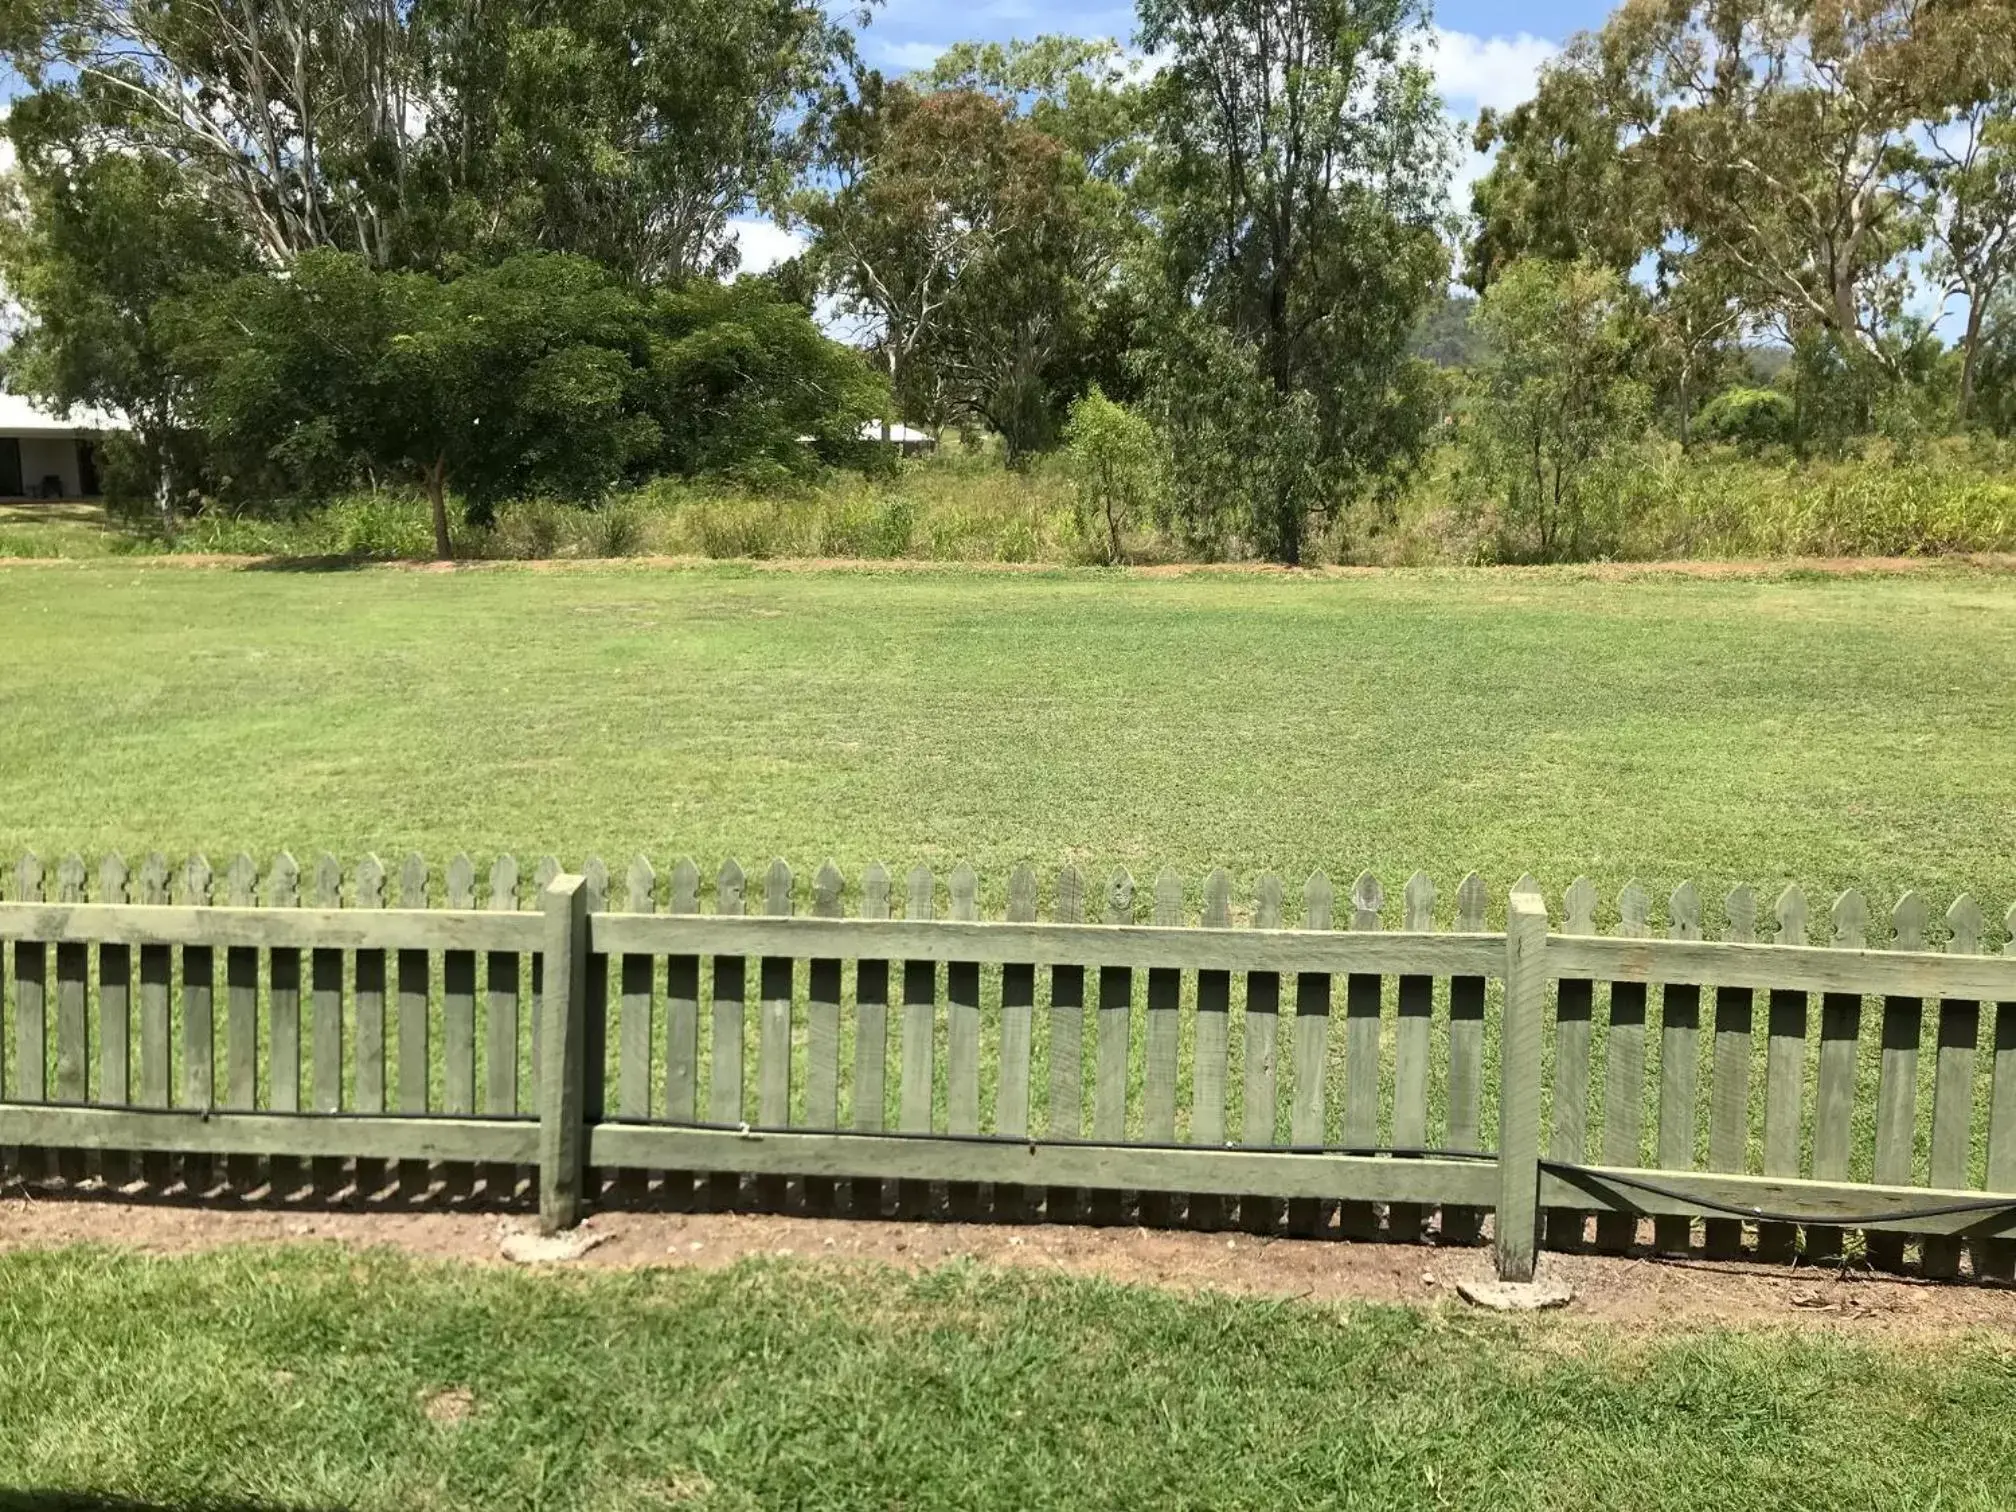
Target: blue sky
[1485, 54]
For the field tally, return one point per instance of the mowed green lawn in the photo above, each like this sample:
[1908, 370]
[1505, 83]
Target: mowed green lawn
[305, 1378]
[1833, 732]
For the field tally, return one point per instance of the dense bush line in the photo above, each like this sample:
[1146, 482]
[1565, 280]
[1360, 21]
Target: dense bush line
[1712, 504]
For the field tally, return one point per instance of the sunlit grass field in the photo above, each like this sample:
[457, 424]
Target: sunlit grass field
[1833, 732]
[316, 1378]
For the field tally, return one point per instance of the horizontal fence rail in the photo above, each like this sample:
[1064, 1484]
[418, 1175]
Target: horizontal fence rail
[1305, 1069]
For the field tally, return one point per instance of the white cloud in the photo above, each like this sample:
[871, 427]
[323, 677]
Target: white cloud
[1140, 67]
[908, 57]
[1498, 72]
[1469, 167]
[762, 244]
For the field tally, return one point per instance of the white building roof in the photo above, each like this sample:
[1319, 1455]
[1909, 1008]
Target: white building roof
[24, 417]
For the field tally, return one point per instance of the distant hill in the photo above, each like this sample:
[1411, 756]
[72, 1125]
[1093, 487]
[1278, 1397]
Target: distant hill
[1444, 335]
[1767, 359]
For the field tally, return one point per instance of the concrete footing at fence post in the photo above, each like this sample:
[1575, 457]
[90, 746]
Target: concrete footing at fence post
[563, 1130]
[1516, 1225]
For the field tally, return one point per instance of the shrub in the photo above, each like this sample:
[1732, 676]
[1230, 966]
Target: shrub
[866, 525]
[1021, 540]
[617, 529]
[1114, 459]
[1752, 418]
[381, 525]
[892, 526]
[530, 529]
[378, 525]
[738, 527]
[1555, 408]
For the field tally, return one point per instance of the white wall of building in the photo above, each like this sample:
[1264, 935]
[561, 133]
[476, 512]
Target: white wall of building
[46, 456]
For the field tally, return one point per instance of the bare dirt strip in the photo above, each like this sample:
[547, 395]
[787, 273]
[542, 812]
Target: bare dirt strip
[1637, 1294]
[1764, 568]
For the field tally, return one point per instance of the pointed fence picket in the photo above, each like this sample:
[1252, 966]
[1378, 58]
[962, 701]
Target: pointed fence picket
[1210, 1065]
[115, 1016]
[1363, 1024]
[1067, 1043]
[1784, 1077]
[1729, 1092]
[1311, 1055]
[1997, 1257]
[31, 1012]
[725, 1049]
[1953, 1087]
[1573, 1023]
[1624, 1071]
[919, 1048]
[1259, 1214]
[822, 1033]
[1413, 1051]
[1461, 1225]
[1012, 1113]
[1679, 1066]
[458, 1023]
[157, 967]
[775, 988]
[871, 1038]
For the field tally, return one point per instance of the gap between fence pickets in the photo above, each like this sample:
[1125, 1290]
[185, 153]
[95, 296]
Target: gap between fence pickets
[1765, 967]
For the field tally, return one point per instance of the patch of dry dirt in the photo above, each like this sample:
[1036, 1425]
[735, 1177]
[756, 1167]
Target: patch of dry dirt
[1636, 1294]
[449, 1407]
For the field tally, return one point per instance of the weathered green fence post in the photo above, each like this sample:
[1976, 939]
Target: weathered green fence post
[563, 1069]
[1515, 1226]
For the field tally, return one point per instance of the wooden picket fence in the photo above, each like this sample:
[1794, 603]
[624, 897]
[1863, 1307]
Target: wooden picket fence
[347, 1053]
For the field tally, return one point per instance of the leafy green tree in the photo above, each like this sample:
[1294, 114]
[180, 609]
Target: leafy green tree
[1554, 400]
[1969, 173]
[630, 131]
[418, 134]
[545, 374]
[1075, 89]
[89, 247]
[1568, 183]
[975, 243]
[168, 143]
[740, 378]
[1296, 175]
[1694, 322]
[1774, 149]
[1995, 369]
[1751, 418]
[515, 379]
[1116, 468]
[1782, 138]
[541, 375]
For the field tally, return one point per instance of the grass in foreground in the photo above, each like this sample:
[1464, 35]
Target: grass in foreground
[1833, 732]
[314, 1377]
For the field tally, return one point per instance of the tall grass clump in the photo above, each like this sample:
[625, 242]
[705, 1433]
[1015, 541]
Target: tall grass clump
[1935, 502]
[1658, 502]
[380, 525]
